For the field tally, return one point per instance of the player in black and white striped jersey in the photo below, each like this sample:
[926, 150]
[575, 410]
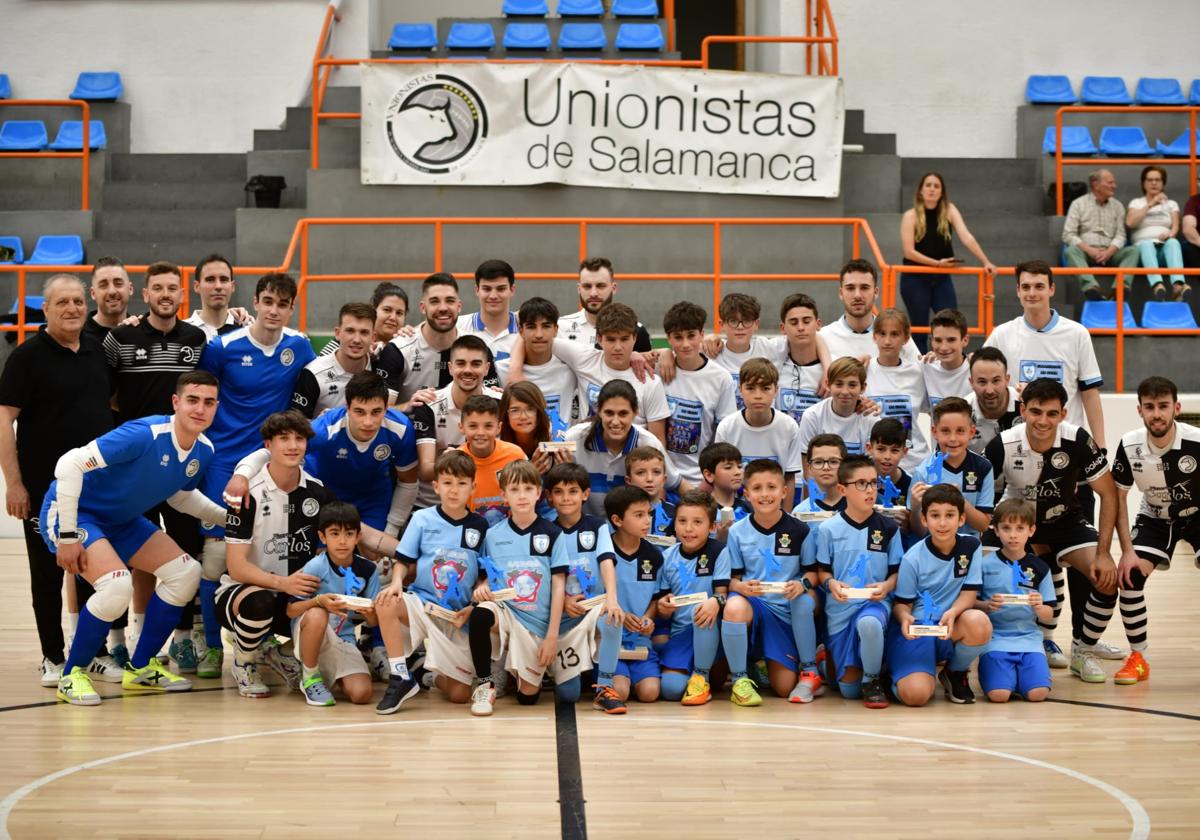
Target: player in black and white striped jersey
[321, 385]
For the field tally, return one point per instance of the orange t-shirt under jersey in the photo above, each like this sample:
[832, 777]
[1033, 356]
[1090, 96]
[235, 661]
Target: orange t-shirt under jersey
[487, 486]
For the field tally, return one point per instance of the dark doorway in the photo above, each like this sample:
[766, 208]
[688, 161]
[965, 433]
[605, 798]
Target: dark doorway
[694, 20]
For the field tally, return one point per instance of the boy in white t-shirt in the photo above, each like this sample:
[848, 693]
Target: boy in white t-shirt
[537, 323]
[804, 358]
[897, 385]
[948, 375]
[740, 320]
[836, 414]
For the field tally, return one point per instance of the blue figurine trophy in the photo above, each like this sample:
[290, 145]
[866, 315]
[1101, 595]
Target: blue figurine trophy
[930, 616]
[558, 435]
[1020, 586]
[857, 584]
[497, 580]
[686, 578]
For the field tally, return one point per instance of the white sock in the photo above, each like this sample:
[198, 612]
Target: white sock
[135, 623]
[397, 667]
[116, 636]
[307, 672]
[72, 622]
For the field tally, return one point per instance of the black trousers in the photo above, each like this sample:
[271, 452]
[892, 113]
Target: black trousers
[45, 584]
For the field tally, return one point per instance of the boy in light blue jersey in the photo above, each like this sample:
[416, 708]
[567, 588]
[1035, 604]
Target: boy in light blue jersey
[592, 573]
[321, 624]
[771, 547]
[858, 549]
[887, 448]
[721, 469]
[525, 557]
[440, 550]
[824, 455]
[1014, 662]
[646, 468]
[953, 427]
[694, 565]
[937, 584]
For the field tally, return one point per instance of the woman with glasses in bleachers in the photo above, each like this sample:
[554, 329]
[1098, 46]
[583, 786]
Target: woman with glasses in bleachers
[925, 232]
[1153, 222]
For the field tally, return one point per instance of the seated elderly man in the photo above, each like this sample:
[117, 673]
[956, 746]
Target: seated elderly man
[1094, 233]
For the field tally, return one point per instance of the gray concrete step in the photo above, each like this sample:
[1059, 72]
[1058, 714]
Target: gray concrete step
[291, 164]
[989, 172]
[176, 168]
[171, 195]
[160, 224]
[146, 250]
[873, 144]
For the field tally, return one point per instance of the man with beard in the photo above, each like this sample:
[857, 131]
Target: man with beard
[322, 383]
[214, 284]
[851, 335]
[597, 286]
[425, 350]
[111, 289]
[995, 404]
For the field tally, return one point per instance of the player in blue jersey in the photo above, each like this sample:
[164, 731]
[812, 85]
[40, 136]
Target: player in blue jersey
[938, 581]
[257, 367]
[646, 468]
[92, 518]
[770, 547]
[528, 556]
[592, 573]
[953, 427]
[1014, 662]
[887, 447]
[824, 455]
[440, 552]
[691, 567]
[858, 549]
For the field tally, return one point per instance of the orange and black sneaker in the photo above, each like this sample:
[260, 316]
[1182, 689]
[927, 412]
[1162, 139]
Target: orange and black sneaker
[698, 691]
[1135, 670]
[608, 701]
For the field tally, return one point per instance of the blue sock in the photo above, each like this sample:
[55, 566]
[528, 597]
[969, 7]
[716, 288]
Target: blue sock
[964, 655]
[158, 624]
[610, 651]
[804, 631]
[376, 637]
[870, 645]
[673, 685]
[208, 608]
[89, 635]
[734, 637]
[568, 692]
[851, 691]
[704, 643]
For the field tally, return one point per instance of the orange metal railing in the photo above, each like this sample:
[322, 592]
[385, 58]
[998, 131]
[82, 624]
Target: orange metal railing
[985, 288]
[84, 155]
[1059, 161]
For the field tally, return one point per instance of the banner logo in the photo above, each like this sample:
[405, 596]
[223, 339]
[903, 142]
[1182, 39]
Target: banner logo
[436, 123]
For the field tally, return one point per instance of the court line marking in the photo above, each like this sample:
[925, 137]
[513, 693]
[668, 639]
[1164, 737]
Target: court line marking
[1091, 704]
[13, 799]
[1141, 820]
[108, 698]
[571, 803]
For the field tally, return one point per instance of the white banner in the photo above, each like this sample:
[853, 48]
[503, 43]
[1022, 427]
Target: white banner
[628, 126]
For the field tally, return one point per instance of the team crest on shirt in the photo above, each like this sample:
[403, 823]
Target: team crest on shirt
[471, 537]
[189, 355]
[963, 561]
[876, 541]
[541, 542]
[971, 478]
[193, 467]
[287, 357]
[527, 583]
[646, 572]
[382, 451]
[788, 398]
[587, 540]
[1027, 574]
[166, 459]
[1028, 372]
[310, 507]
[1187, 464]
[1059, 460]
[703, 569]
[785, 540]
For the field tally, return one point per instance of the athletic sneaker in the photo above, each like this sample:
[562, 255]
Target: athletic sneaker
[424, 678]
[1104, 650]
[698, 691]
[209, 666]
[745, 693]
[499, 679]
[76, 689]
[105, 669]
[1085, 666]
[153, 677]
[608, 701]
[183, 654]
[874, 697]
[822, 655]
[957, 685]
[1055, 657]
[1135, 670]
[378, 665]
[808, 688]
[315, 692]
[282, 663]
[483, 699]
[760, 674]
[120, 655]
[245, 674]
[398, 690]
[51, 673]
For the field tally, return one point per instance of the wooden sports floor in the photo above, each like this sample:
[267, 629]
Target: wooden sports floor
[1097, 761]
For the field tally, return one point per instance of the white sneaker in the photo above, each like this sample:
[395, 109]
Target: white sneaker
[1104, 650]
[51, 673]
[1055, 657]
[245, 674]
[483, 699]
[282, 663]
[379, 664]
[1085, 666]
[105, 669]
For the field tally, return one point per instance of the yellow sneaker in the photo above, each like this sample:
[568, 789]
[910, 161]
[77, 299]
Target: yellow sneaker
[745, 693]
[76, 688]
[698, 692]
[153, 677]
[1135, 670]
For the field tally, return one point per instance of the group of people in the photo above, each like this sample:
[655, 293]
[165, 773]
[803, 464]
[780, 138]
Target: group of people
[520, 497]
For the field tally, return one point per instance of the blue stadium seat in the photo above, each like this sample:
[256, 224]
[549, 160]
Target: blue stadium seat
[580, 8]
[471, 36]
[413, 36]
[635, 8]
[98, 87]
[582, 36]
[70, 136]
[1077, 140]
[525, 8]
[1168, 315]
[640, 36]
[1179, 146]
[57, 250]
[1050, 90]
[31, 302]
[526, 36]
[5, 87]
[1159, 92]
[13, 242]
[1102, 315]
[23, 136]
[1124, 140]
[1194, 94]
[1104, 90]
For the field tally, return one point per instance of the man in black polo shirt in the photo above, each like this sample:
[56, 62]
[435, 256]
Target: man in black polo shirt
[111, 289]
[57, 384]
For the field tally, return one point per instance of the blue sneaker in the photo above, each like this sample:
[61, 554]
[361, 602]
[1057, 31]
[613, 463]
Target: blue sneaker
[315, 692]
[1055, 657]
[184, 655]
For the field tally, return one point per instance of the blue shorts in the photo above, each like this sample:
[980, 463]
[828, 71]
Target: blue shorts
[844, 645]
[914, 656]
[679, 654]
[1013, 671]
[126, 538]
[636, 670]
[772, 637]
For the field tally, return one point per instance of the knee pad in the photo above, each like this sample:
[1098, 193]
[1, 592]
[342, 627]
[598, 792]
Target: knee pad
[569, 691]
[178, 580]
[258, 605]
[1137, 581]
[673, 685]
[528, 699]
[113, 593]
[212, 559]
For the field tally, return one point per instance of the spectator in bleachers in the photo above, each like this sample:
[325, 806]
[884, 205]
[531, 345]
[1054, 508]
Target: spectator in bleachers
[925, 232]
[1153, 222]
[1094, 233]
[1191, 232]
[111, 289]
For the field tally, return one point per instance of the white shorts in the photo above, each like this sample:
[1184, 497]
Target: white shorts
[518, 648]
[577, 648]
[337, 658]
[447, 648]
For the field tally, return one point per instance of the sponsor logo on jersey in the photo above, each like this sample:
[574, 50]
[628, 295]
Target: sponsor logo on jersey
[382, 451]
[287, 357]
[189, 355]
[471, 537]
[1056, 511]
[232, 520]
[300, 400]
[1187, 464]
[343, 453]
[1059, 460]
[247, 361]
[193, 467]
[587, 540]
[310, 507]
[541, 542]
[140, 354]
